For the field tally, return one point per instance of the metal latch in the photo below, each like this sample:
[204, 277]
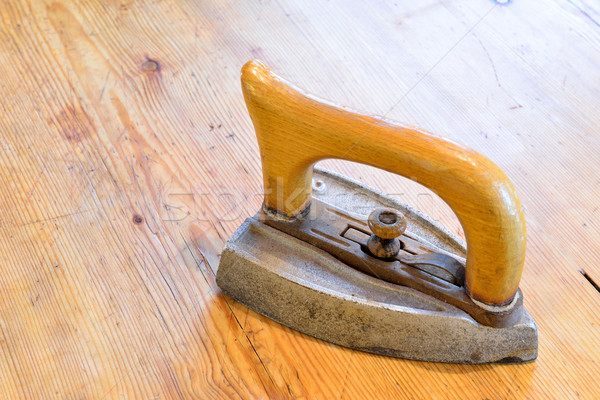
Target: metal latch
[416, 264]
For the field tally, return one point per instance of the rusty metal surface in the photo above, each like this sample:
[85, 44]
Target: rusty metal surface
[325, 226]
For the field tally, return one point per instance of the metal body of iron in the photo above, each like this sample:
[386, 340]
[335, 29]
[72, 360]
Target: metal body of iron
[393, 285]
[310, 290]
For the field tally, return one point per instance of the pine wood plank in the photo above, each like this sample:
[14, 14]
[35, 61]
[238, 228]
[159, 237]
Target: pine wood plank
[128, 158]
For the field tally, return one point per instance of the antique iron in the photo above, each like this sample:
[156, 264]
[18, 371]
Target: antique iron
[337, 260]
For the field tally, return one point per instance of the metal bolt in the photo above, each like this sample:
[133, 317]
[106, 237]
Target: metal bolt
[387, 225]
[318, 186]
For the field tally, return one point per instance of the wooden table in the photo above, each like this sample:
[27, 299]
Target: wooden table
[128, 158]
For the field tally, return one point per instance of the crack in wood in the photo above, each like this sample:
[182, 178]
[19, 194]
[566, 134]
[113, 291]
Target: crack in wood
[590, 280]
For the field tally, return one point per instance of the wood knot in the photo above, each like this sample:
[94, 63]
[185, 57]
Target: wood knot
[150, 66]
[73, 123]
[137, 219]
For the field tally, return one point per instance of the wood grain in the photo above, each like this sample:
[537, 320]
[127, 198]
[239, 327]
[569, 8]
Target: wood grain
[128, 158]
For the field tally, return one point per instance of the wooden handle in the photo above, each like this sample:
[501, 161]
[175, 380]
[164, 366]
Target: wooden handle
[295, 130]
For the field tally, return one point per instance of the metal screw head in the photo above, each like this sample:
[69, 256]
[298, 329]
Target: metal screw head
[318, 186]
[387, 223]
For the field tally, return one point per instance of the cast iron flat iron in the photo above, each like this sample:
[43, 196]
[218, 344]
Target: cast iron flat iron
[337, 260]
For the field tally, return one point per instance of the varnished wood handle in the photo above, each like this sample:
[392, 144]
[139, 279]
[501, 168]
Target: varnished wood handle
[295, 130]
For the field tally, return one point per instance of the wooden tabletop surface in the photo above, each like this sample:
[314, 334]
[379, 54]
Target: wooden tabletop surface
[128, 158]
